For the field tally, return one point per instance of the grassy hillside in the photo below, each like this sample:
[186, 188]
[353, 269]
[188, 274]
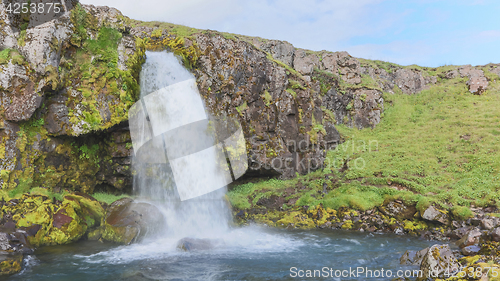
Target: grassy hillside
[439, 146]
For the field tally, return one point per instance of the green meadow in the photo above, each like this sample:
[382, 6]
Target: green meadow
[440, 146]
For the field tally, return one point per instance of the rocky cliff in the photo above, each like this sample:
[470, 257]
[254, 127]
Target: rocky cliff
[66, 86]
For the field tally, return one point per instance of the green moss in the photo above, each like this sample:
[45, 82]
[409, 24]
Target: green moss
[387, 66]
[79, 215]
[12, 55]
[295, 84]
[242, 108]
[461, 212]
[267, 98]
[22, 37]
[316, 128]
[107, 197]
[292, 92]
[189, 53]
[403, 157]
[326, 80]
[328, 116]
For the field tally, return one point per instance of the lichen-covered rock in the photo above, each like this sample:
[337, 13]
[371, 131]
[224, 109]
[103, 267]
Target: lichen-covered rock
[438, 260]
[305, 62]
[282, 118]
[433, 214]
[280, 50]
[57, 91]
[410, 82]
[10, 263]
[343, 64]
[51, 222]
[477, 83]
[127, 221]
[14, 240]
[361, 108]
[13, 246]
[398, 210]
[472, 237]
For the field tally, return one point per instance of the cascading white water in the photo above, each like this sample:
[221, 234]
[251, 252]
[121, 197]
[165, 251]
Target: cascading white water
[206, 216]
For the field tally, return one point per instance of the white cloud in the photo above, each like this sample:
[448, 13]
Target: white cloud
[333, 25]
[307, 24]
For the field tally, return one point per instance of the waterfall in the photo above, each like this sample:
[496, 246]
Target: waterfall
[191, 201]
[175, 109]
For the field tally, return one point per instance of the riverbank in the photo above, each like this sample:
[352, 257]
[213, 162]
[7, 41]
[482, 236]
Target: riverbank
[474, 240]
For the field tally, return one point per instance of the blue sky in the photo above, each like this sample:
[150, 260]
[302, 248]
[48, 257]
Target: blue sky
[423, 32]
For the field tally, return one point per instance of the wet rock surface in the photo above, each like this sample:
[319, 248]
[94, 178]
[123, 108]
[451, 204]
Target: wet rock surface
[196, 244]
[127, 221]
[35, 220]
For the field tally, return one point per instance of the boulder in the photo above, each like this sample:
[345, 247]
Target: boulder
[433, 214]
[451, 74]
[51, 222]
[489, 223]
[472, 237]
[195, 244]
[470, 250]
[14, 241]
[495, 234]
[409, 81]
[477, 83]
[13, 246]
[413, 257]
[459, 232]
[127, 221]
[398, 210]
[438, 260]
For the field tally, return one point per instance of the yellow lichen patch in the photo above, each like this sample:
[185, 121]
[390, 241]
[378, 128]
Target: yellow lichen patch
[11, 264]
[347, 224]
[189, 53]
[296, 219]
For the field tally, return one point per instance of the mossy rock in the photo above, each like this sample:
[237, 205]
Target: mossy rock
[127, 221]
[10, 264]
[51, 222]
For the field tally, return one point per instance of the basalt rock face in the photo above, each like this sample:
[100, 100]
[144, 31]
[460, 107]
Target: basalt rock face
[65, 88]
[280, 111]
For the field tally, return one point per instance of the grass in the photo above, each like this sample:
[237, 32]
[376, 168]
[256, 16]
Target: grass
[107, 197]
[441, 146]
